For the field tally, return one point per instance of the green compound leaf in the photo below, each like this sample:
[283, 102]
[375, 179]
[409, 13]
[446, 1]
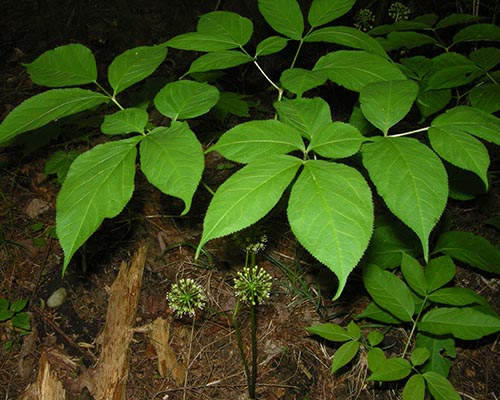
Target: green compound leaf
[234, 27]
[462, 150]
[438, 272]
[69, 65]
[253, 140]
[471, 120]
[125, 121]
[463, 323]
[414, 388]
[271, 45]
[412, 181]
[331, 213]
[344, 355]
[329, 331]
[487, 32]
[324, 11]
[219, 60]
[414, 274]
[471, 249]
[248, 195]
[391, 369]
[346, 36]
[134, 65]
[384, 104]
[298, 80]
[354, 69]
[172, 160]
[99, 184]
[440, 387]
[284, 16]
[305, 115]
[186, 99]
[47, 107]
[389, 292]
[336, 140]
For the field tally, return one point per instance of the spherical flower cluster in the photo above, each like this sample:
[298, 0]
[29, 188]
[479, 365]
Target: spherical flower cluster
[251, 240]
[253, 285]
[258, 245]
[364, 19]
[399, 12]
[185, 297]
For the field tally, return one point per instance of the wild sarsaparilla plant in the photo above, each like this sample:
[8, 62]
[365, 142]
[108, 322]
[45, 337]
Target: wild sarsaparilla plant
[330, 208]
[325, 167]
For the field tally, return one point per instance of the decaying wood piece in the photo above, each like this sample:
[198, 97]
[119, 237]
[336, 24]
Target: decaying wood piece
[167, 361]
[110, 375]
[47, 385]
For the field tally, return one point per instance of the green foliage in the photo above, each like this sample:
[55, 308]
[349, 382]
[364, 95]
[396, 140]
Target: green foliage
[69, 65]
[45, 108]
[419, 197]
[436, 314]
[14, 313]
[303, 153]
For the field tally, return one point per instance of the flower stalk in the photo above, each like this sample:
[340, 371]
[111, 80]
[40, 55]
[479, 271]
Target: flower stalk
[252, 286]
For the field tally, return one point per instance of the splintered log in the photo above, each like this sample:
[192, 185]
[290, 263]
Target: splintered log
[110, 375]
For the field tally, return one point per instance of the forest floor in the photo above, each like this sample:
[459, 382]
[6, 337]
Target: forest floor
[108, 314]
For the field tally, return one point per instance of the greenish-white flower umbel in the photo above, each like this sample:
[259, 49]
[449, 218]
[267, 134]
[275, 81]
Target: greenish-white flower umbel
[253, 285]
[399, 12]
[186, 297]
[252, 239]
[364, 19]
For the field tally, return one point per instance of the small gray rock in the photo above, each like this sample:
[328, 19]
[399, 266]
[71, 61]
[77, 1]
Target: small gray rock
[57, 298]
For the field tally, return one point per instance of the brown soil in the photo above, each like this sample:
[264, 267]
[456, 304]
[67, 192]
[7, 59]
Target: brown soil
[73, 337]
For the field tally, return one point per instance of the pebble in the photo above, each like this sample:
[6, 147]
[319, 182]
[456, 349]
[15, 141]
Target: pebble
[57, 298]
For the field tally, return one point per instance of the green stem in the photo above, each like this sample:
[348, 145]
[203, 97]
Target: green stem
[252, 259]
[414, 327]
[301, 42]
[112, 97]
[297, 53]
[410, 132]
[209, 189]
[280, 90]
